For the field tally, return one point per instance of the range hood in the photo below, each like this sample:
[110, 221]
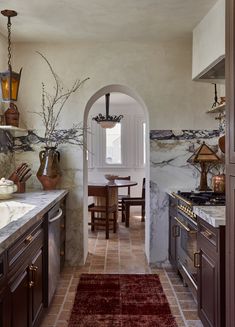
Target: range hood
[214, 72]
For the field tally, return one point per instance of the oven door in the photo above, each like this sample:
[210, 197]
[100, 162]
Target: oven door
[187, 248]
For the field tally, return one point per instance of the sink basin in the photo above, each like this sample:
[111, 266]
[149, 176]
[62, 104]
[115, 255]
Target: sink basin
[12, 210]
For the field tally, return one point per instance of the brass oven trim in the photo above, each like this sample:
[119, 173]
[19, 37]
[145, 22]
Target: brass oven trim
[188, 230]
[181, 198]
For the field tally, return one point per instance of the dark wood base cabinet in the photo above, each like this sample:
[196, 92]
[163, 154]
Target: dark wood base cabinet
[211, 275]
[23, 278]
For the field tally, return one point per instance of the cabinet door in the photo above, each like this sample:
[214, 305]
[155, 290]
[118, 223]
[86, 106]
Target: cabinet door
[4, 308]
[207, 288]
[20, 300]
[36, 276]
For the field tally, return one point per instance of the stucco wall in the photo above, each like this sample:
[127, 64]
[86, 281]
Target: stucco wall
[159, 73]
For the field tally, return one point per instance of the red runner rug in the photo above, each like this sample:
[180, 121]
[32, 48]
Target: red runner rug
[110, 300]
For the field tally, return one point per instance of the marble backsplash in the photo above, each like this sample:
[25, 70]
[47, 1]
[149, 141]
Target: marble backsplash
[169, 171]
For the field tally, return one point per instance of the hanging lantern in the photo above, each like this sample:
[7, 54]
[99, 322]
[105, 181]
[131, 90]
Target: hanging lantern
[10, 80]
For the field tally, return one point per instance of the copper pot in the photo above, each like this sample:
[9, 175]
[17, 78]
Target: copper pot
[218, 183]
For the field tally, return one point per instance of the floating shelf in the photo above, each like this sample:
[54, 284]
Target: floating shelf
[16, 131]
[217, 109]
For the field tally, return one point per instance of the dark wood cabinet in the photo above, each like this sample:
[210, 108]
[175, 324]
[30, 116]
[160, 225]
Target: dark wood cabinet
[24, 274]
[26, 279]
[211, 275]
[19, 296]
[173, 231]
[36, 296]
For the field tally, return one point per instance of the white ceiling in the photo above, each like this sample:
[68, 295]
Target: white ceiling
[103, 20]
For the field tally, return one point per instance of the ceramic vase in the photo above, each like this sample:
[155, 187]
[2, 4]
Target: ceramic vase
[49, 172]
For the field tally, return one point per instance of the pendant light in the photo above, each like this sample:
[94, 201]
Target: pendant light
[10, 80]
[107, 121]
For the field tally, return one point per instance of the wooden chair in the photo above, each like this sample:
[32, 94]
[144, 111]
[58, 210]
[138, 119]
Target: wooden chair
[127, 189]
[137, 201]
[102, 192]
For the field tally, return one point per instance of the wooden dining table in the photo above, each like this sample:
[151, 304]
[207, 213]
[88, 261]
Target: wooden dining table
[114, 186]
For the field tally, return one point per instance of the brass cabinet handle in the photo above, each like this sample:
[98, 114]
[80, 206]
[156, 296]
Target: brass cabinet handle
[207, 234]
[188, 230]
[31, 284]
[28, 239]
[62, 226]
[34, 269]
[196, 259]
[61, 253]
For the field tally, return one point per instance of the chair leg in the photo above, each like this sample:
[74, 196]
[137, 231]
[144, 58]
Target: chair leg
[92, 221]
[127, 214]
[115, 222]
[142, 213]
[123, 212]
[107, 225]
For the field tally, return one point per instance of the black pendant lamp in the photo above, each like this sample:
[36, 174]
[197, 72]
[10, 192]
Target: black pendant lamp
[10, 80]
[107, 121]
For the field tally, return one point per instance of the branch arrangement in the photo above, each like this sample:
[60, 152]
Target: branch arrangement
[52, 105]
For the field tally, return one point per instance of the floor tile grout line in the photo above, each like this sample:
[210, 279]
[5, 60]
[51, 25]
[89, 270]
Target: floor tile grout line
[64, 300]
[177, 300]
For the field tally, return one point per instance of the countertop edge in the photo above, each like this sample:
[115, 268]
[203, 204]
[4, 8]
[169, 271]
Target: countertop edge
[213, 215]
[19, 227]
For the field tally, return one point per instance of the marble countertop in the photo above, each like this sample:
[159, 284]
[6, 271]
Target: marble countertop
[37, 202]
[213, 215]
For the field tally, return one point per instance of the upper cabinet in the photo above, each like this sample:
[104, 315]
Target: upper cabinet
[209, 45]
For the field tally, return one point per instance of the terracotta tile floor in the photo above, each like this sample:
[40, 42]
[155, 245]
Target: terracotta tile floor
[122, 253]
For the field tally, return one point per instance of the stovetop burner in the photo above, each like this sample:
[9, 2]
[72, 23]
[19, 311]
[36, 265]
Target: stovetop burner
[204, 198]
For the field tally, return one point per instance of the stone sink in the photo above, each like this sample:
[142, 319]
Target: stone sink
[12, 211]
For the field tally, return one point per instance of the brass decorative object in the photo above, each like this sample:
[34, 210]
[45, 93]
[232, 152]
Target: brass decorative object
[206, 158]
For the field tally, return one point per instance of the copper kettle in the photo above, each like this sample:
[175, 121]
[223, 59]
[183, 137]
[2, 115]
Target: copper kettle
[218, 183]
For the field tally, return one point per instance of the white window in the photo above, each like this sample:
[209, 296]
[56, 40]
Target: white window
[121, 147]
[113, 145]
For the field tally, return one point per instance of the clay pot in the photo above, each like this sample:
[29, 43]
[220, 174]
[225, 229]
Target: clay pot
[218, 183]
[49, 172]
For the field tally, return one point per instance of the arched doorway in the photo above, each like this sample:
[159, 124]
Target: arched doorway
[130, 92]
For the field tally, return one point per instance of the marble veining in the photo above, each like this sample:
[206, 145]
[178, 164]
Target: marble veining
[169, 170]
[42, 201]
[213, 215]
[183, 134]
[159, 226]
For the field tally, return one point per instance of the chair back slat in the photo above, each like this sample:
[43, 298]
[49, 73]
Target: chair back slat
[127, 178]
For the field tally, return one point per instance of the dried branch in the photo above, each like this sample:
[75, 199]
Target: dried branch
[52, 105]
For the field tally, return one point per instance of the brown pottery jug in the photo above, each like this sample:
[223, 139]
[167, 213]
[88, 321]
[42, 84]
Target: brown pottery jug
[49, 172]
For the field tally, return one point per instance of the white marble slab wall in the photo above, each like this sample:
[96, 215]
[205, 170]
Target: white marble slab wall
[169, 170]
[6, 154]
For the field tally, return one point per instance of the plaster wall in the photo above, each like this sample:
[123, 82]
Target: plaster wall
[159, 73]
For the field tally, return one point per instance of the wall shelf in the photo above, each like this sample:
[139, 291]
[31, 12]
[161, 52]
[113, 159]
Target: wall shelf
[15, 131]
[217, 109]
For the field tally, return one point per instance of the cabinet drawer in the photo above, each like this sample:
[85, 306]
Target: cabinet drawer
[208, 233]
[32, 238]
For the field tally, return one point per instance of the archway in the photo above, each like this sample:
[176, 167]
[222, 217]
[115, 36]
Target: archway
[130, 92]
